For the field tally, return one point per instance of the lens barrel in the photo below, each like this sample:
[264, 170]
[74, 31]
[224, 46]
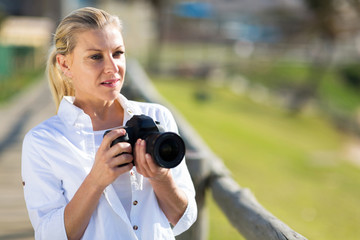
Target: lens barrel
[167, 149]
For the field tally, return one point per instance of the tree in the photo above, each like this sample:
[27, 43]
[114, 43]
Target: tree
[159, 8]
[322, 26]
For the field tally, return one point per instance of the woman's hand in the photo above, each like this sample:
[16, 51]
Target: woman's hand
[108, 159]
[104, 171]
[145, 164]
[172, 200]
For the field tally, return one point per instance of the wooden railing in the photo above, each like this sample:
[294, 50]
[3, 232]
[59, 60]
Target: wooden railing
[207, 170]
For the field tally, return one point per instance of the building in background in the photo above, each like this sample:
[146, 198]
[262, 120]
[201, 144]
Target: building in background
[25, 31]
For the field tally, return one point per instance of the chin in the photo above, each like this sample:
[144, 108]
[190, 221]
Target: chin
[113, 96]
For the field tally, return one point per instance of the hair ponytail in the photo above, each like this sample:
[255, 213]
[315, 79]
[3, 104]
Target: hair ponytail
[64, 43]
[60, 85]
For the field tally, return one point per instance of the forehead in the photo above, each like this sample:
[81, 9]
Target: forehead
[107, 38]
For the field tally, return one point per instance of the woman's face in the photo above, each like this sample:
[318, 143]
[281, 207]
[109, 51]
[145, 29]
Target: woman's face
[97, 65]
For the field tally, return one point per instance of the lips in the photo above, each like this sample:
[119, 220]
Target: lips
[110, 83]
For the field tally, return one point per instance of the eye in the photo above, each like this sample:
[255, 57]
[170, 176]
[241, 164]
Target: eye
[118, 54]
[96, 57]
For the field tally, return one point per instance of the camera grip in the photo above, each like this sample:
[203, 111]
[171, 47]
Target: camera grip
[124, 138]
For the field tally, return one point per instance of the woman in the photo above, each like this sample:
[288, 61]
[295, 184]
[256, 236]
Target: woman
[73, 185]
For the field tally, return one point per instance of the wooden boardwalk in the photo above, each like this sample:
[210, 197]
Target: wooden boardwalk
[18, 116]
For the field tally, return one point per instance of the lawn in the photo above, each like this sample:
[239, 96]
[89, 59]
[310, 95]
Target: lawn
[296, 165]
[12, 85]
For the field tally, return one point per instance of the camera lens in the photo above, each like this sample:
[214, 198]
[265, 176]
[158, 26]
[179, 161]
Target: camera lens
[167, 149]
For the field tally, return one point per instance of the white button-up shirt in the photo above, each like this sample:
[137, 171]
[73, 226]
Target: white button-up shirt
[57, 156]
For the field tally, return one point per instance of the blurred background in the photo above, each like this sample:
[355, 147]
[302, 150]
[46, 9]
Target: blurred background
[272, 86]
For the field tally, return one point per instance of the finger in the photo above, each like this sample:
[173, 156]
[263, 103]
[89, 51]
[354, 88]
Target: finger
[118, 170]
[148, 162]
[122, 160]
[120, 148]
[140, 157]
[111, 136]
[153, 167]
[149, 167]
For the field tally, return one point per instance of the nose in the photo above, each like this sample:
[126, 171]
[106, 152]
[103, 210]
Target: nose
[111, 65]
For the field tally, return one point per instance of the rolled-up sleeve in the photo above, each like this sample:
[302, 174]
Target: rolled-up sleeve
[189, 217]
[43, 192]
[183, 180]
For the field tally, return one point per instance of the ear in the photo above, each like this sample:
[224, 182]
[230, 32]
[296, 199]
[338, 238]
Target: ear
[63, 62]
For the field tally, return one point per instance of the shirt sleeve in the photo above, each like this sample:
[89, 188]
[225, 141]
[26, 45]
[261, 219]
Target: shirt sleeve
[182, 178]
[42, 191]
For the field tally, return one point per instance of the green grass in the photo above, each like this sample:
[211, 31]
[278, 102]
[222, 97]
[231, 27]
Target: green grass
[295, 165]
[12, 85]
[268, 69]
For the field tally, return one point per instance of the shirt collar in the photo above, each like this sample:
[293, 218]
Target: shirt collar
[68, 112]
[71, 114]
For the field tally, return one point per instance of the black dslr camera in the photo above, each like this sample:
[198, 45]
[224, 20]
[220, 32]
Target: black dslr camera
[166, 148]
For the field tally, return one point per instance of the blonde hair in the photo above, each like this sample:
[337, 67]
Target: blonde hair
[64, 43]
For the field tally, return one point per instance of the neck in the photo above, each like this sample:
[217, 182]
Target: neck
[103, 115]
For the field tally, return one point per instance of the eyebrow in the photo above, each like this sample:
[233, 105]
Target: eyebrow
[93, 50]
[100, 50]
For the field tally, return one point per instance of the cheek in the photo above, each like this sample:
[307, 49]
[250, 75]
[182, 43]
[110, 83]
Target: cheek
[84, 73]
[122, 66]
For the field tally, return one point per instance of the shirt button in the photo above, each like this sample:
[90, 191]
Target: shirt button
[135, 203]
[135, 227]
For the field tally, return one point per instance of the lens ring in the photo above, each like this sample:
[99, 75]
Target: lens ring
[174, 139]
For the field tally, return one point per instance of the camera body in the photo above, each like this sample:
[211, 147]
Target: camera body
[166, 148]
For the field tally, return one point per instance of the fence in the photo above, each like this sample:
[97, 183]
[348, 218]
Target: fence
[239, 205]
